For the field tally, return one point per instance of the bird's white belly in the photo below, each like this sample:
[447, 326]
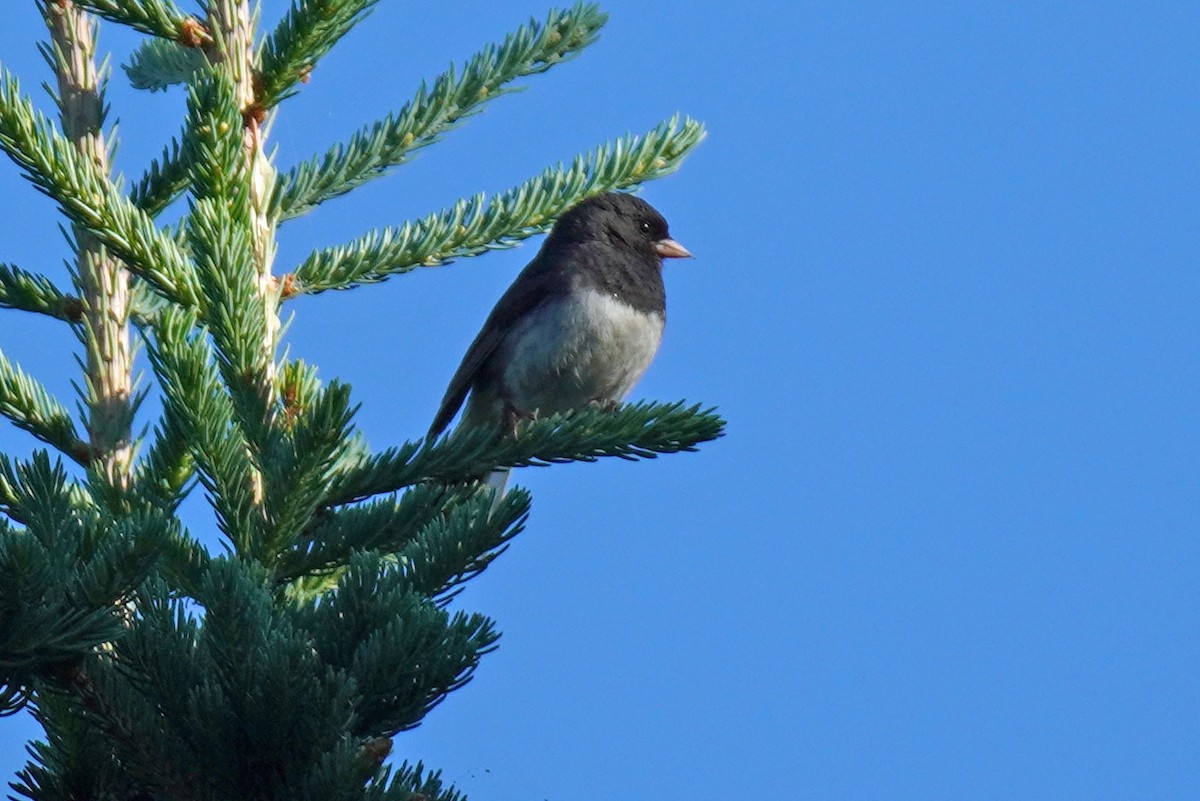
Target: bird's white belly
[587, 347]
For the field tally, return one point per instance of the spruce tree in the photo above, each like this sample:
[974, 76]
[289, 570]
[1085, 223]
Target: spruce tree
[283, 664]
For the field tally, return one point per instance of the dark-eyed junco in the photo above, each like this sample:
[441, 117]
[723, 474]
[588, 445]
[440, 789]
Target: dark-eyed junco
[578, 326]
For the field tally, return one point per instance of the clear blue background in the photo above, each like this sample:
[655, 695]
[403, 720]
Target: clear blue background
[946, 294]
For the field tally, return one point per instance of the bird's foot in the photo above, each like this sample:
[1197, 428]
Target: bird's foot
[605, 404]
[512, 415]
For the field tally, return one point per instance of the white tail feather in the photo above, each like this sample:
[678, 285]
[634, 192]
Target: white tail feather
[498, 480]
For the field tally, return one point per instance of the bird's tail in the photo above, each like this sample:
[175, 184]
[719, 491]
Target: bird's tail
[498, 480]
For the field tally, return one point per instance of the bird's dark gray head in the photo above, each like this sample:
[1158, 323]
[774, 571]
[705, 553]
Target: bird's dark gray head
[624, 221]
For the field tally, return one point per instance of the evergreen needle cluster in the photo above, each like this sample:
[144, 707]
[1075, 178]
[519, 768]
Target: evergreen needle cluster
[283, 664]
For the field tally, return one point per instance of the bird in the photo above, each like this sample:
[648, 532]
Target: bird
[578, 326]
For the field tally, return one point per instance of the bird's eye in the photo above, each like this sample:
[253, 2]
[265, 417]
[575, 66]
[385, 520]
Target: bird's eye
[646, 226]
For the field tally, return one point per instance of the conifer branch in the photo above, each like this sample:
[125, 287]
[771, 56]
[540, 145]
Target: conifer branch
[459, 544]
[89, 199]
[31, 292]
[372, 151]
[410, 782]
[42, 637]
[151, 731]
[383, 525]
[258, 706]
[158, 64]
[439, 536]
[636, 431]
[27, 404]
[403, 652]
[201, 408]
[307, 32]
[223, 254]
[63, 576]
[212, 142]
[477, 225]
[156, 17]
[164, 473]
[296, 472]
[409, 669]
[163, 182]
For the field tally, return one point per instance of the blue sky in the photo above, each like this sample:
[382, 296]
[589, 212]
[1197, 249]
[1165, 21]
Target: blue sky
[946, 295]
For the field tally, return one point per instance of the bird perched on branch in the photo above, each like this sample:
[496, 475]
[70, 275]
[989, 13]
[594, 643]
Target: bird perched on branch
[579, 325]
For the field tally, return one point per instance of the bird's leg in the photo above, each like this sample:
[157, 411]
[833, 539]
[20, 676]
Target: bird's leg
[605, 404]
[511, 415]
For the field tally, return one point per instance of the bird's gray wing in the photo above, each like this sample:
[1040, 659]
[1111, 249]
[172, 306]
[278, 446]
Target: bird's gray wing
[537, 283]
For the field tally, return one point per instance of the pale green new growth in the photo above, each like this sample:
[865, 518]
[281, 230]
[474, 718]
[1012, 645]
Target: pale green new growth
[162, 63]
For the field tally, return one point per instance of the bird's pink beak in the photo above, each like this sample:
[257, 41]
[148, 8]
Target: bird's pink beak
[670, 249]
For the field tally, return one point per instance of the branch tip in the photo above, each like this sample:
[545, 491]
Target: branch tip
[288, 286]
[192, 33]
